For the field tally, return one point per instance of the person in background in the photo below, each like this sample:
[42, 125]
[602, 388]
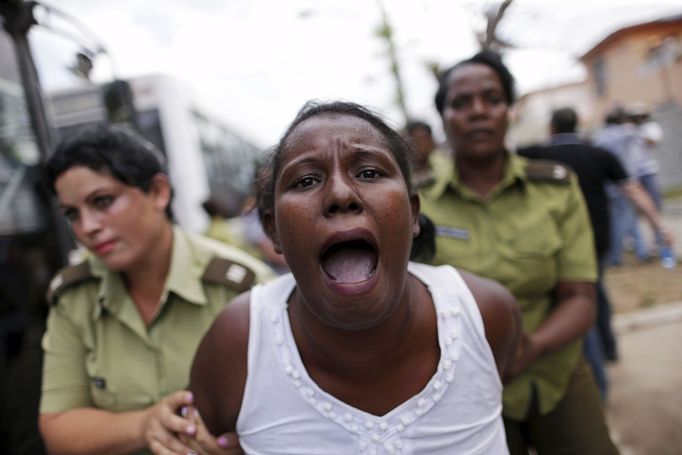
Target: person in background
[650, 135]
[358, 350]
[258, 240]
[524, 224]
[595, 167]
[124, 324]
[226, 228]
[428, 158]
[619, 136]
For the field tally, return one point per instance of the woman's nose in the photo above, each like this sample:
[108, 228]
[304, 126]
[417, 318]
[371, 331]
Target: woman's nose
[342, 197]
[478, 106]
[89, 222]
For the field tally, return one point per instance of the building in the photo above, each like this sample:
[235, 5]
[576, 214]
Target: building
[639, 63]
[533, 110]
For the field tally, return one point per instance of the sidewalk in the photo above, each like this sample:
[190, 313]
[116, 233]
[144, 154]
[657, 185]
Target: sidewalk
[644, 408]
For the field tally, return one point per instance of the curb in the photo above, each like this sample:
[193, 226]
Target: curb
[647, 318]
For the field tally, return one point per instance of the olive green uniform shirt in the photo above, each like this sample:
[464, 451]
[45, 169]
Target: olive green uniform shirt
[98, 351]
[531, 232]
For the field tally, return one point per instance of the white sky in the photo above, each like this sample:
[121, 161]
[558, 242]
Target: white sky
[254, 63]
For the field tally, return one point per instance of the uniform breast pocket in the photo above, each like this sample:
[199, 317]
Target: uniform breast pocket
[100, 389]
[456, 245]
[529, 246]
[533, 257]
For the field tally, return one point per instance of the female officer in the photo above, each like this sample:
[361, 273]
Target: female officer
[357, 350]
[526, 226]
[124, 324]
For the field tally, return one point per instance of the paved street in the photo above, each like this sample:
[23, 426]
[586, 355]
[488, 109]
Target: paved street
[645, 402]
[645, 405]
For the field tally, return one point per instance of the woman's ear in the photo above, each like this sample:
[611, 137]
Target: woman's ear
[270, 229]
[160, 190]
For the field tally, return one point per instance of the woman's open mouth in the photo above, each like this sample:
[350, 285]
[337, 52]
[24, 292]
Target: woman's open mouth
[349, 262]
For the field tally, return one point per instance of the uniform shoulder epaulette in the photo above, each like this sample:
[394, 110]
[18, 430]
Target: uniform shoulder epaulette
[67, 277]
[548, 171]
[233, 275]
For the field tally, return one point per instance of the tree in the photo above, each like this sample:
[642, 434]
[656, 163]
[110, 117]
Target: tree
[489, 39]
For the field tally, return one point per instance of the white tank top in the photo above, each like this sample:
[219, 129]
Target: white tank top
[458, 412]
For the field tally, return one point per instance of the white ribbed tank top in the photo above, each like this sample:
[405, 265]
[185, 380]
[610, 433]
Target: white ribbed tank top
[458, 412]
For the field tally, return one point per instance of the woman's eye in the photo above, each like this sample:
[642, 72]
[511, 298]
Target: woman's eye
[458, 103]
[102, 202]
[71, 214]
[368, 174]
[495, 98]
[305, 182]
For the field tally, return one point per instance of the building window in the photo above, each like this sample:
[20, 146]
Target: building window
[599, 69]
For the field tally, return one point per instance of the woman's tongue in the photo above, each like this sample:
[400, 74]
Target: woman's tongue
[349, 265]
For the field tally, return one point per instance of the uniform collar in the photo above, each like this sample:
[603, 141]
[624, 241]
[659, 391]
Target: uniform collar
[184, 279]
[514, 171]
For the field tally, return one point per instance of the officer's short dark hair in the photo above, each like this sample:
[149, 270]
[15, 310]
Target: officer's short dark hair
[127, 156]
[414, 125]
[486, 57]
[564, 120]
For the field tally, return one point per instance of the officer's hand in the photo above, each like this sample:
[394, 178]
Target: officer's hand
[162, 425]
[526, 354]
[205, 443]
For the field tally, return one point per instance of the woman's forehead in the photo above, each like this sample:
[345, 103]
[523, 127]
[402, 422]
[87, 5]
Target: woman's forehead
[326, 127]
[474, 74]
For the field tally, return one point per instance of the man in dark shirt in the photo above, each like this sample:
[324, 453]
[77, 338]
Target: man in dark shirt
[595, 167]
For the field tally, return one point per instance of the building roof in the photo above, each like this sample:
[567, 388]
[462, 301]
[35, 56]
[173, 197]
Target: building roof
[620, 33]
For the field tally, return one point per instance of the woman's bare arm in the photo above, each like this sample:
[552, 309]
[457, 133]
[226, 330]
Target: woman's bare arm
[218, 374]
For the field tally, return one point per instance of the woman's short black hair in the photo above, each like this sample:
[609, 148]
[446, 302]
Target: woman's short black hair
[125, 155]
[485, 57]
[399, 147]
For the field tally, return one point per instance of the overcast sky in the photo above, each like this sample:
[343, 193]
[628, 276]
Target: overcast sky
[254, 63]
